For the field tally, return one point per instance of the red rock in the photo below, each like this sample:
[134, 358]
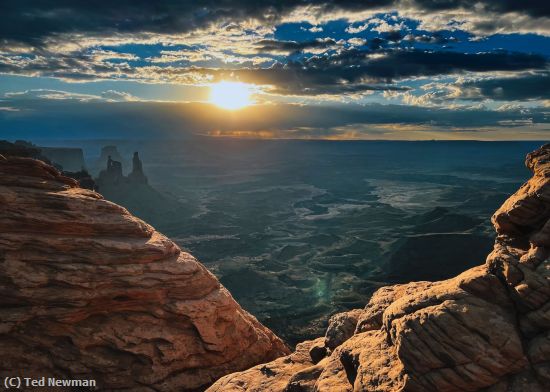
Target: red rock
[89, 291]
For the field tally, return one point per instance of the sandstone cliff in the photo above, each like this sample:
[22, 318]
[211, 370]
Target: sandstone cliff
[487, 329]
[89, 291]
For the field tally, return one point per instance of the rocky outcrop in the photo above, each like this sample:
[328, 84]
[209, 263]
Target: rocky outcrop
[90, 291]
[137, 175]
[487, 329]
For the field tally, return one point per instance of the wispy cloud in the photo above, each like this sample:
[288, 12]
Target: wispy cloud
[438, 58]
[45, 94]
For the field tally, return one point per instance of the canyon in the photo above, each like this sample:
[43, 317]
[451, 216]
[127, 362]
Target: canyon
[488, 329]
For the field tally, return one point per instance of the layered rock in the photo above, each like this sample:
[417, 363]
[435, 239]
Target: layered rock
[487, 329]
[89, 291]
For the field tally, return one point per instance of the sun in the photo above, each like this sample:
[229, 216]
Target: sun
[231, 95]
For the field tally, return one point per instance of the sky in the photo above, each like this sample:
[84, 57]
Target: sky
[349, 69]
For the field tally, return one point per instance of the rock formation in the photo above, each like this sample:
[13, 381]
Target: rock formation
[106, 152]
[90, 291]
[134, 192]
[137, 175]
[112, 176]
[488, 329]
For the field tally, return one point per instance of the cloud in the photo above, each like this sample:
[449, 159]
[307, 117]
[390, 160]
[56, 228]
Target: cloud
[35, 94]
[519, 88]
[77, 118]
[357, 41]
[200, 42]
[435, 38]
[58, 95]
[529, 7]
[118, 96]
[344, 69]
[101, 55]
[37, 22]
[354, 30]
[531, 88]
[271, 45]
[197, 43]
[354, 70]
[34, 21]
[173, 56]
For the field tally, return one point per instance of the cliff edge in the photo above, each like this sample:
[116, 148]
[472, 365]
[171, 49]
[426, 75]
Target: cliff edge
[88, 291]
[488, 329]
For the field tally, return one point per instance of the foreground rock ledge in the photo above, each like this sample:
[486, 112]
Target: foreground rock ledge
[89, 291]
[487, 329]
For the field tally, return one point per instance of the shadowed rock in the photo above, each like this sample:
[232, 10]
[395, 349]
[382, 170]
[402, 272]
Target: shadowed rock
[137, 175]
[488, 329]
[89, 291]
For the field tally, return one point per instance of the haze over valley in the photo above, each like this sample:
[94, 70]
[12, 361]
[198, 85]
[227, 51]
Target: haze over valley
[298, 230]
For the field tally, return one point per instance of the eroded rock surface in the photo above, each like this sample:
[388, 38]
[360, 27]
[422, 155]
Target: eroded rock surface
[487, 329]
[89, 291]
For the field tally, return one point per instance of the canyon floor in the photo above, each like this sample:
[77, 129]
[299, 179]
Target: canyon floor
[298, 231]
[487, 329]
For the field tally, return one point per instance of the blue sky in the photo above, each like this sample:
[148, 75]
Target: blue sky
[387, 69]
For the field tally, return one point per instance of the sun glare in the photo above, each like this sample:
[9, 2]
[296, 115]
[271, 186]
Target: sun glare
[231, 95]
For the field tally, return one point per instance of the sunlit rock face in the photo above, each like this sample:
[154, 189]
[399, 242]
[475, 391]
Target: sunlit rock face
[89, 291]
[488, 329]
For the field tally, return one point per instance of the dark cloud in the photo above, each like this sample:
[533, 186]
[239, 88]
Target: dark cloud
[271, 45]
[74, 66]
[375, 66]
[33, 20]
[534, 8]
[336, 89]
[393, 36]
[407, 63]
[526, 87]
[376, 43]
[53, 118]
[353, 70]
[344, 71]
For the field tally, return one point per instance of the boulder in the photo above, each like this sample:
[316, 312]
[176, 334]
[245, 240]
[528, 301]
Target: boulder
[89, 291]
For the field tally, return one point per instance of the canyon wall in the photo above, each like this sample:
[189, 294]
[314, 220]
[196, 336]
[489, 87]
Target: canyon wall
[487, 329]
[89, 291]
